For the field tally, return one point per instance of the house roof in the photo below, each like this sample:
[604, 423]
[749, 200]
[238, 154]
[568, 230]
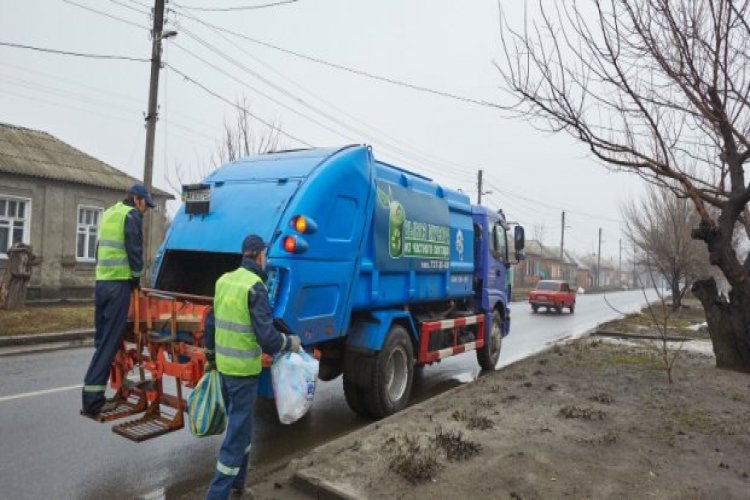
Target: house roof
[38, 154]
[534, 247]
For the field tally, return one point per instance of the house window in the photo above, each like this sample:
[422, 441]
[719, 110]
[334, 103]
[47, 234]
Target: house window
[15, 219]
[88, 227]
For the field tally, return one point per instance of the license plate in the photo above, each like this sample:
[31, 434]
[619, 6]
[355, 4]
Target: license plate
[198, 196]
[197, 199]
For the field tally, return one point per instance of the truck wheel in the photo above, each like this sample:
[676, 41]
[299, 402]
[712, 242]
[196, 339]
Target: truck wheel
[572, 308]
[392, 375]
[488, 355]
[535, 308]
[558, 309]
[353, 393]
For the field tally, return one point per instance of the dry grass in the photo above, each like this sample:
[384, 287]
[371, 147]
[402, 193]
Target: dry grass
[46, 319]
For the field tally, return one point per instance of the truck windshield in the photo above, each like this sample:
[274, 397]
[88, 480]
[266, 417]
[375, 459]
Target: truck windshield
[547, 285]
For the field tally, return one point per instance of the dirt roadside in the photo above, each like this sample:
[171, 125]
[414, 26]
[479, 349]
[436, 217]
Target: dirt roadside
[45, 319]
[589, 419]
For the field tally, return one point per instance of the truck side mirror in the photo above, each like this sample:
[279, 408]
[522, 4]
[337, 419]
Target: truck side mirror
[519, 238]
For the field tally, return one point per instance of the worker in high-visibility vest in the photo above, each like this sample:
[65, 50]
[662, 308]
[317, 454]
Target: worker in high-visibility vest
[237, 333]
[119, 265]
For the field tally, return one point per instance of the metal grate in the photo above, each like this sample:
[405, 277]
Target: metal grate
[147, 427]
[125, 408]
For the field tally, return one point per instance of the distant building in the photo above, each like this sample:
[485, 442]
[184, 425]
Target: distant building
[543, 263]
[52, 196]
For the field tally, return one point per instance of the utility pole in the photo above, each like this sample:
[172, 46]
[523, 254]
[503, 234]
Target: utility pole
[619, 268]
[599, 261]
[151, 118]
[562, 236]
[479, 187]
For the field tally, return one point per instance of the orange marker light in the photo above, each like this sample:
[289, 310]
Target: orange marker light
[290, 244]
[300, 224]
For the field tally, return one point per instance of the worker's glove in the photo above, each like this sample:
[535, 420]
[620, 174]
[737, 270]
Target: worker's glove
[135, 283]
[293, 343]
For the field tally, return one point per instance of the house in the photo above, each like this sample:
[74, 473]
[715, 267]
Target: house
[542, 263]
[584, 274]
[52, 196]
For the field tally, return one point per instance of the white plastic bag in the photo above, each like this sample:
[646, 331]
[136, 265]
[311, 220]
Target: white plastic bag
[293, 377]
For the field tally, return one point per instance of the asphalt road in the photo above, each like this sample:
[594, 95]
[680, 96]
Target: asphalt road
[48, 451]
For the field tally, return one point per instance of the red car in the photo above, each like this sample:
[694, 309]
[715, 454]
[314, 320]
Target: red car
[552, 294]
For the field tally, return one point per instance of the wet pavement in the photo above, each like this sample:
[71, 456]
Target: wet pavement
[48, 451]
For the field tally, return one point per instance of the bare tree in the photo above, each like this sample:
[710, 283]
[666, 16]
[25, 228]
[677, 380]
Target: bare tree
[660, 225]
[239, 138]
[539, 232]
[660, 314]
[661, 89]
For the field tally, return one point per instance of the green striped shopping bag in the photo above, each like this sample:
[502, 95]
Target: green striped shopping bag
[206, 406]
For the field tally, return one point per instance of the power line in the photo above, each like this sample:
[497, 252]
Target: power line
[92, 102]
[283, 91]
[348, 69]
[400, 145]
[130, 7]
[239, 7]
[110, 16]
[554, 206]
[105, 92]
[71, 53]
[77, 83]
[227, 101]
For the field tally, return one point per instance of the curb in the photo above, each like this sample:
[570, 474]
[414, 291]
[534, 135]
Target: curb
[45, 347]
[45, 338]
[321, 489]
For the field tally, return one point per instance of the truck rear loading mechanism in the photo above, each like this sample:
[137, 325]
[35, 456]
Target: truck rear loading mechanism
[379, 270]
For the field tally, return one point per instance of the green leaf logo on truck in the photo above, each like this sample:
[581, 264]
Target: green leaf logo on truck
[420, 233]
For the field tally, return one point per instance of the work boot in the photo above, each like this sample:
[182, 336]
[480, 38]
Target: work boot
[109, 405]
[244, 493]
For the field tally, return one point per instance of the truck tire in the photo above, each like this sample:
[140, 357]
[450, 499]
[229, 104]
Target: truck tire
[488, 355]
[535, 309]
[572, 308]
[353, 375]
[392, 375]
[558, 309]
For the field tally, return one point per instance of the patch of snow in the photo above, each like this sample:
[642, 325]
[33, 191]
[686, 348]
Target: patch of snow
[694, 346]
[698, 327]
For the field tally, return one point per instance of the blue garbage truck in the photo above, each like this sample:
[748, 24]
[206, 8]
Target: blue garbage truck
[379, 269]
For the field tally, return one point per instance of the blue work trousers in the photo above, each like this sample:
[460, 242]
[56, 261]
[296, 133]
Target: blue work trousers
[239, 394]
[112, 299]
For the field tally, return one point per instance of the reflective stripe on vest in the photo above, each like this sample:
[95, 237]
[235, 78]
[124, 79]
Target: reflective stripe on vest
[237, 349]
[111, 257]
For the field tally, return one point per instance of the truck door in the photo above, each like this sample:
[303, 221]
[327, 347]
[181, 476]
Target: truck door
[497, 268]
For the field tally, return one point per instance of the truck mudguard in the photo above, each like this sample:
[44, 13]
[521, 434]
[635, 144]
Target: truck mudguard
[369, 332]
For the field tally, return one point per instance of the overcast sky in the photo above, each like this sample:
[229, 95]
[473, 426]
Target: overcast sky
[448, 45]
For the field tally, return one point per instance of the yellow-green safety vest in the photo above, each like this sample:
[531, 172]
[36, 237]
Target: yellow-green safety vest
[237, 349]
[111, 257]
